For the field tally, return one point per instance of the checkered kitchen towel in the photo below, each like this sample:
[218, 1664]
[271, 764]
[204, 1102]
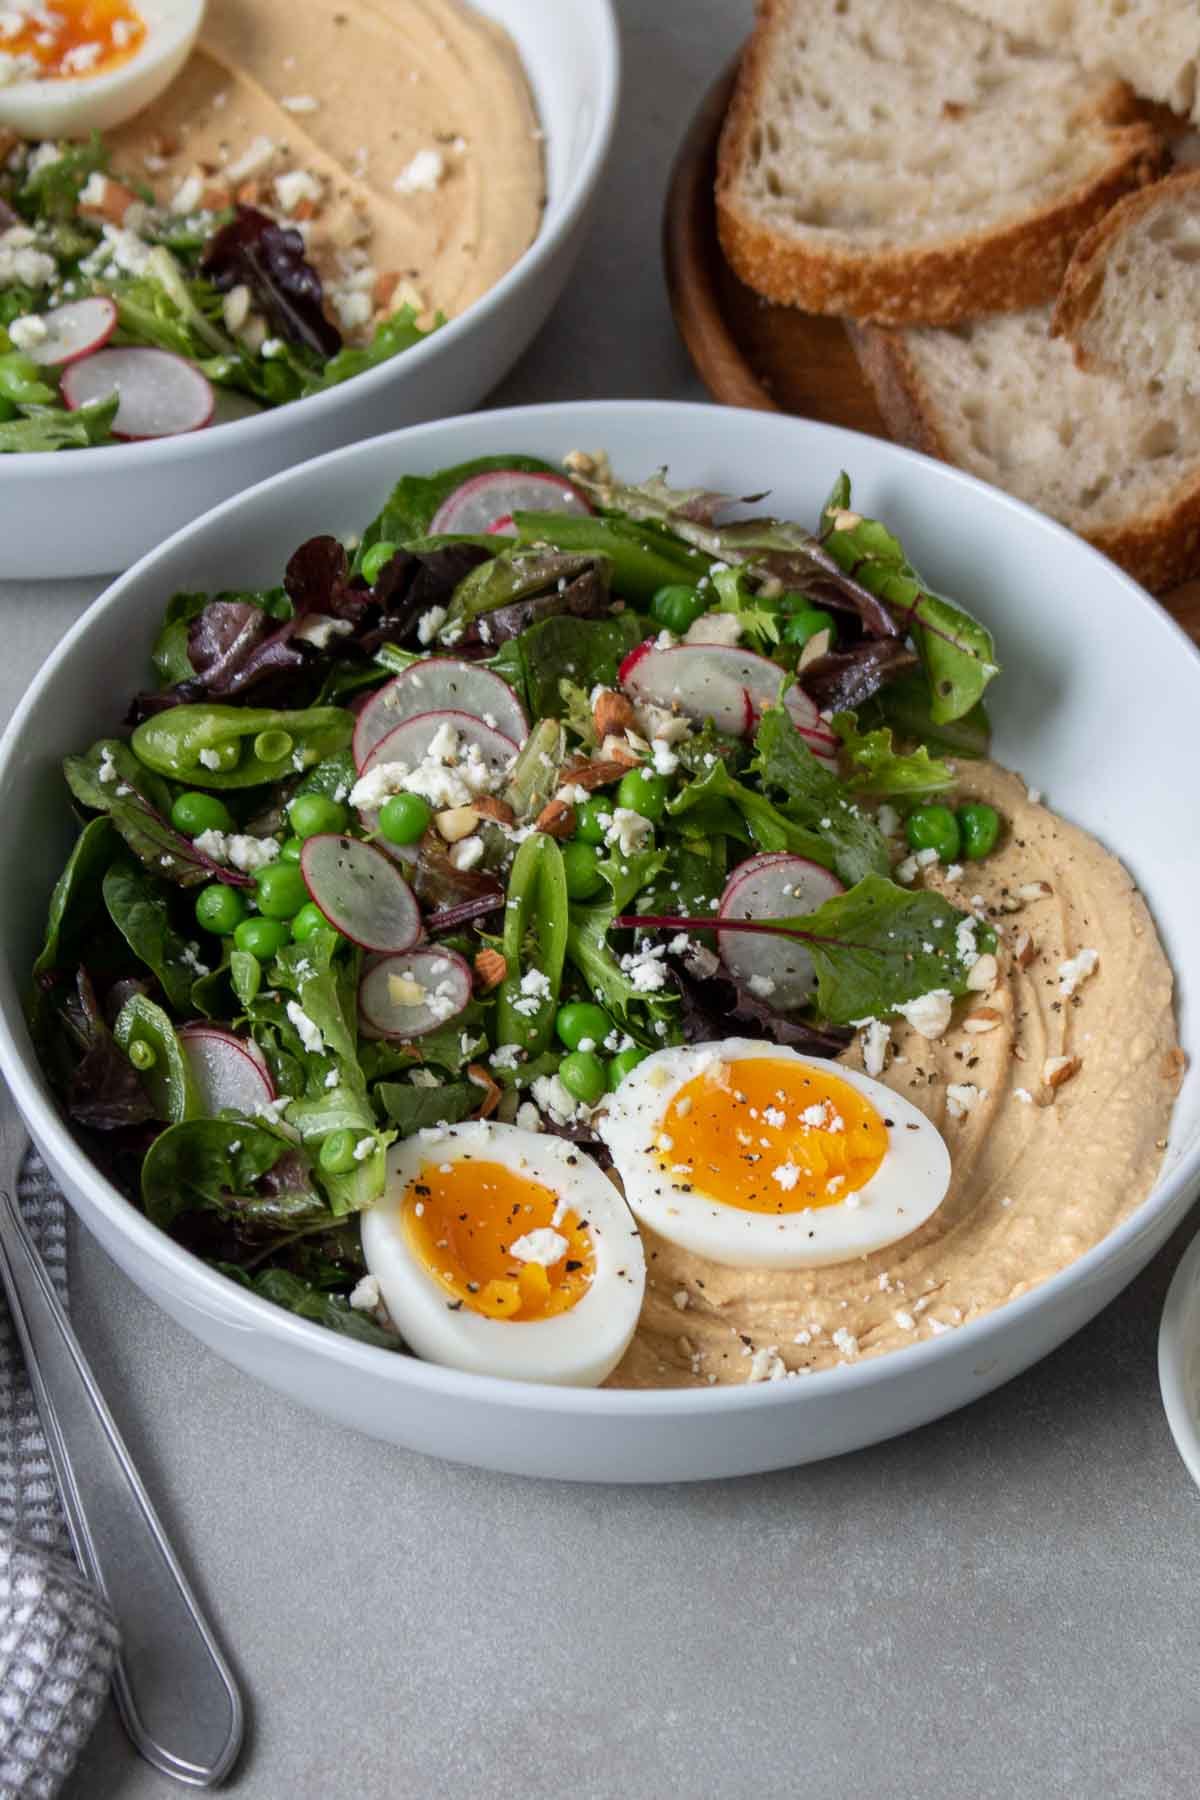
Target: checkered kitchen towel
[58, 1639]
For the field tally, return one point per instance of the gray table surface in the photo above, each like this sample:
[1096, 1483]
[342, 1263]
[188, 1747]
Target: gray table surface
[1002, 1604]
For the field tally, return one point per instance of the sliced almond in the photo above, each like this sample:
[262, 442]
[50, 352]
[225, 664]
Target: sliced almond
[556, 819]
[982, 974]
[490, 969]
[114, 202]
[488, 807]
[386, 283]
[1057, 1069]
[216, 198]
[619, 750]
[612, 714]
[592, 775]
[983, 1018]
[1034, 890]
[456, 822]
[816, 647]
[1024, 949]
[492, 1091]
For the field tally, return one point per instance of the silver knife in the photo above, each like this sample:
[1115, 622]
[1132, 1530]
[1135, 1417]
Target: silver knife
[176, 1695]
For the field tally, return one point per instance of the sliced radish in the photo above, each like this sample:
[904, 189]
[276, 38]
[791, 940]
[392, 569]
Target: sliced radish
[75, 330]
[409, 741]
[230, 1073]
[439, 683]
[504, 526]
[485, 501]
[361, 893]
[778, 969]
[718, 682]
[406, 996]
[160, 393]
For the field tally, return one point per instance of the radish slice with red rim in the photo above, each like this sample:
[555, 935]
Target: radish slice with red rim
[360, 892]
[774, 968]
[409, 741]
[160, 394]
[405, 996]
[731, 687]
[439, 683]
[76, 329]
[486, 501]
[230, 1073]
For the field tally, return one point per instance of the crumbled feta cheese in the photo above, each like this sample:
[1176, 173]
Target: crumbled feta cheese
[766, 1364]
[787, 1175]
[1076, 970]
[238, 849]
[467, 852]
[422, 175]
[645, 968]
[929, 1013]
[762, 986]
[187, 196]
[876, 1034]
[366, 1296]
[253, 161]
[430, 623]
[528, 1116]
[299, 103]
[21, 262]
[535, 991]
[80, 58]
[322, 627]
[364, 1148]
[962, 1097]
[553, 1098]
[27, 332]
[926, 858]
[964, 943]
[107, 769]
[210, 759]
[665, 760]
[906, 871]
[845, 1341]
[888, 820]
[506, 1056]
[545, 1246]
[308, 1033]
[628, 831]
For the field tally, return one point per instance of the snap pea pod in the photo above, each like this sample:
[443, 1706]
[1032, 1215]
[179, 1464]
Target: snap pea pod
[537, 900]
[641, 559]
[162, 1064]
[239, 746]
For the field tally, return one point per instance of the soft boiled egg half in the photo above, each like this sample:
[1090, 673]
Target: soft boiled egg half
[506, 1253]
[71, 67]
[751, 1155]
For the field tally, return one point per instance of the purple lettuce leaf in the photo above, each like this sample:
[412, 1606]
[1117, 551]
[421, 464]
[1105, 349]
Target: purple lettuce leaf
[269, 259]
[843, 679]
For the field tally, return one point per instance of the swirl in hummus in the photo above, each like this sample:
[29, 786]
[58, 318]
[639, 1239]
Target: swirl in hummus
[1052, 1084]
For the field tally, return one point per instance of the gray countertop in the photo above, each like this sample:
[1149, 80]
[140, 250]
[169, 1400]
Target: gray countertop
[1002, 1604]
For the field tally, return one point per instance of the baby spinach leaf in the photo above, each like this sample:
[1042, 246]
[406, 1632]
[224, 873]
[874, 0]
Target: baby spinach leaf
[905, 704]
[628, 875]
[331, 1109]
[138, 908]
[410, 506]
[308, 1302]
[412, 1108]
[957, 651]
[210, 1164]
[747, 814]
[77, 894]
[506, 594]
[168, 1080]
[101, 774]
[815, 797]
[327, 991]
[575, 654]
[450, 1047]
[103, 1088]
[640, 561]
[333, 777]
[881, 770]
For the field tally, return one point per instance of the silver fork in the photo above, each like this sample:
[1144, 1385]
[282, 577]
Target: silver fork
[174, 1690]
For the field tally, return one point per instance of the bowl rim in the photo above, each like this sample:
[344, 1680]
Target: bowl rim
[1181, 1310]
[557, 221]
[200, 1284]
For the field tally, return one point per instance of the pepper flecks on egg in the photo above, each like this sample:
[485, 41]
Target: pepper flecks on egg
[754, 1156]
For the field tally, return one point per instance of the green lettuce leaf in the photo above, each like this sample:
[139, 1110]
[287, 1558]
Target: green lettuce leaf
[53, 428]
[138, 908]
[392, 335]
[77, 895]
[298, 1296]
[816, 798]
[883, 771]
[414, 500]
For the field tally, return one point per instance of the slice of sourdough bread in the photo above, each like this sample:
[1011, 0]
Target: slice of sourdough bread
[1153, 44]
[1004, 400]
[899, 161]
[1128, 303]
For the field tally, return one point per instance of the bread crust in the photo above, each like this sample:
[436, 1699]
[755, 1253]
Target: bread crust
[1160, 548]
[1002, 269]
[1082, 283]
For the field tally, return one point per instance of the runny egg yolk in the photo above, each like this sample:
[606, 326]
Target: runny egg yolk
[770, 1137]
[72, 38]
[462, 1219]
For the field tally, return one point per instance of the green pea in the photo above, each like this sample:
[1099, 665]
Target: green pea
[193, 813]
[980, 828]
[141, 1053]
[312, 814]
[933, 828]
[336, 1155]
[289, 850]
[807, 623]
[581, 1022]
[280, 890]
[308, 921]
[273, 746]
[223, 757]
[404, 818]
[584, 1076]
[219, 908]
[621, 1064]
[643, 792]
[589, 820]
[581, 866]
[377, 559]
[263, 938]
[677, 606]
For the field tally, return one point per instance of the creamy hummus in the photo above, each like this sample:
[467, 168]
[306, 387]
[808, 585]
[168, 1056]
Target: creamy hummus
[1041, 1172]
[398, 135]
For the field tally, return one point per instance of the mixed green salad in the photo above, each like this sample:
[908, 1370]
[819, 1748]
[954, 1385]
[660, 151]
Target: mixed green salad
[466, 817]
[160, 323]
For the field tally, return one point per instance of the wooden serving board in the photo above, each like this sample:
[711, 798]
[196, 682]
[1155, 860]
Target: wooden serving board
[750, 353]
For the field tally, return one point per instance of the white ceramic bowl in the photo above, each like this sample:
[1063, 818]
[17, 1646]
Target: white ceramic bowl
[1179, 1358]
[1091, 662]
[78, 512]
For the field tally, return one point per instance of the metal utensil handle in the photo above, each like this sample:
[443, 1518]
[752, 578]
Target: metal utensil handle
[177, 1697]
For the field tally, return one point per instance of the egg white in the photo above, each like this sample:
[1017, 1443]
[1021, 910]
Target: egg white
[75, 106]
[577, 1348]
[908, 1187]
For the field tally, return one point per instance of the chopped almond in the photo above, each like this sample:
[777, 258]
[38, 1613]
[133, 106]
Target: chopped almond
[1175, 1064]
[303, 209]
[982, 974]
[216, 199]
[1057, 1069]
[386, 284]
[491, 1089]
[1024, 949]
[1035, 890]
[612, 714]
[456, 822]
[114, 202]
[488, 807]
[556, 819]
[592, 775]
[249, 193]
[164, 143]
[984, 1018]
[816, 647]
[490, 969]
[620, 750]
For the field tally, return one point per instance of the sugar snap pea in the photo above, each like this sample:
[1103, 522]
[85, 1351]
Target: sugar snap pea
[537, 902]
[221, 746]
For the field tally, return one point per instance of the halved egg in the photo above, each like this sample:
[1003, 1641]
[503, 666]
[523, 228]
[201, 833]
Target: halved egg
[752, 1155]
[71, 67]
[506, 1253]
